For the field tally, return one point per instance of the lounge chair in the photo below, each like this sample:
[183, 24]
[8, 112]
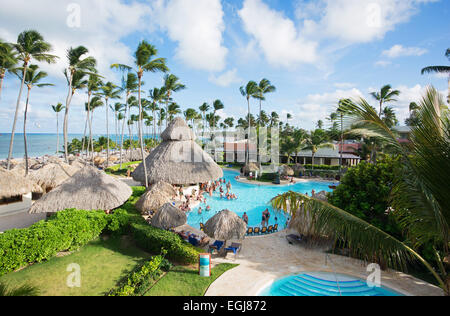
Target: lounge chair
[275, 228]
[296, 239]
[202, 227]
[193, 241]
[250, 231]
[217, 245]
[264, 230]
[234, 248]
[256, 231]
[270, 229]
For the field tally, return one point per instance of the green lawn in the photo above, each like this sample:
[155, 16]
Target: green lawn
[183, 281]
[103, 263]
[114, 170]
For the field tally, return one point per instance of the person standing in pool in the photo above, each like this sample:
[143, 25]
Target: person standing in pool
[245, 218]
[263, 222]
[267, 216]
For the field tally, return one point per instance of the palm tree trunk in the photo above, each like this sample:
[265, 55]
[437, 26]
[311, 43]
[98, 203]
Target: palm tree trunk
[2, 77]
[25, 131]
[66, 118]
[107, 134]
[123, 130]
[11, 143]
[249, 129]
[57, 132]
[257, 141]
[89, 124]
[92, 140]
[140, 134]
[84, 134]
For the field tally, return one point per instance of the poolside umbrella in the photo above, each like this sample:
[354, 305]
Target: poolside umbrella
[52, 175]
[88, 189]
[250, 167]
[135, 155]
[226, 225]
[13, 184]
[152, 200]
[286, 171]
[178, 159]
[168, 217]
[166, 188]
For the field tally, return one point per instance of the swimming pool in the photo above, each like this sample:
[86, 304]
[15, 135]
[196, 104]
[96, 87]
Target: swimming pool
[324, 284]
[252, 199]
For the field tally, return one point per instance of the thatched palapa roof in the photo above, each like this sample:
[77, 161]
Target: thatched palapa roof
[52, 175]
[168, 217]
[13, 184]
[226, 225]
[178, 159]
[88, 189]
[152, 200]
[286, 170]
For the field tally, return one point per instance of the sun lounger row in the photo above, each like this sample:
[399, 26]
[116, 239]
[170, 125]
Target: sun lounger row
[262, 231]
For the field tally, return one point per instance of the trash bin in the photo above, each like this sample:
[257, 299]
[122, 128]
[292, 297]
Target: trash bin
[204, 269]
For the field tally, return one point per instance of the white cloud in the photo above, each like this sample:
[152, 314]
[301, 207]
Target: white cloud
[383, 63]
[344, 85]
[276, 35]
[356, 21]
[226, 79]
[399, 51]
[197, 26]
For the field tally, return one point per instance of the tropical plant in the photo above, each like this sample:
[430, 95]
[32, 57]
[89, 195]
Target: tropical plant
[8, 60]
[32, 79]
[30, 45]
[93, 86]
[440, 70]
[204, 108]
[264, 87]
[157, 96]
[145, 62]
[249, 91]
[274, 119]
[316, 140]
[109, 92]
[78, 68]
[57, 109]
[385, 95]
[171, 85]
[173, 110]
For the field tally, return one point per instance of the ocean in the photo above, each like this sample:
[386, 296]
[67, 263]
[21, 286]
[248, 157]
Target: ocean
[38, 144]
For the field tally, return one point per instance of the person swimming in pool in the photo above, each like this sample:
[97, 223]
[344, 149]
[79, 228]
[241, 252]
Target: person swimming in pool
[199, 211]
[208, 208]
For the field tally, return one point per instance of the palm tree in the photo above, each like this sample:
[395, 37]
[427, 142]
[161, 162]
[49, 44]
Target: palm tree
[288, 117]
[385, 95]
[171, 85]
[203, 109]
[389, 117]
[109, 92]
[118, 107]
[157, 96]
[8, 60]
[173, 110]
[78, 67]
[32, 78]
[249, 91]
[419, 196]
[30, 45]
[23, 290]
[190, 115]
[316, 140]
[93, 86]
[264, 87]
[440, 70]
[57, 109]
[274, 119]
[229, 122]
[217, 105]
[96, 103]
[145, 62]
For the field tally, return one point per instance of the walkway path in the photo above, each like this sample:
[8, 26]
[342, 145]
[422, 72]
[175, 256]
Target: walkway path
[266, 258]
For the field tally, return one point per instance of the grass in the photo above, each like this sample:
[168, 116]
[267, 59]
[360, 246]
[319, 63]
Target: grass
[103, 264]
[115, 170]
[184, 281]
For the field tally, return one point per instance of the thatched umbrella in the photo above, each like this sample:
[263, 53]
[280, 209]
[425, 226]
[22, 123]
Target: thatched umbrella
[286, 171]
[13, 184]
[250, 167]
[168, 189]
[88, 189]
[152, 200]
[168, 217]
[135, 155]
[178, 159]
[226, 225]
[52, 175]
[299, 168]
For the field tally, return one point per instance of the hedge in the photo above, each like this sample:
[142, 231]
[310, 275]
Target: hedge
[65, 231]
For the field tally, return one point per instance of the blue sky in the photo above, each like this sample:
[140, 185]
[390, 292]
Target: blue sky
[314, 52]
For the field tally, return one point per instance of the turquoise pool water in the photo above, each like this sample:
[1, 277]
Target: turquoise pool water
[324, 284]
[252, 199]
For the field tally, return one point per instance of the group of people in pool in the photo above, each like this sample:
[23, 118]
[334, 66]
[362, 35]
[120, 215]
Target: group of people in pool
[265, 218]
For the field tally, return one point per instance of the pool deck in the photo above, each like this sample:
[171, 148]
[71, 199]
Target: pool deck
[264, 259]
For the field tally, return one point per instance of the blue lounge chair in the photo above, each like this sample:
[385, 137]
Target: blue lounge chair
[217, 245]
[193, 241]
[234, 248]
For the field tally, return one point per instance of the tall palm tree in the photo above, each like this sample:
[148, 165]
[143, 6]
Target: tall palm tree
[33, 78]
[217, 106]
[249, 91]
[57, 109]
[96, 103]
[440, 70]
[156, 95]
[385, 95]
[109, 92]
[171, 85]
[229, 122]
[204, 108]
[274, 119]
[190, 115]
[117, 108]
[264, 87]
[316, 140]
[93, 86]
[30, 45]
[78, 67]
[173, 110]
[145, 62]
[8, 60]
[419, 196]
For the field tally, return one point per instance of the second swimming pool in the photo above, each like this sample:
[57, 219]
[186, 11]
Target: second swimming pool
[252, 199]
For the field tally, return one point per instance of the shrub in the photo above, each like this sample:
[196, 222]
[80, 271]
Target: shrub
[65, 231]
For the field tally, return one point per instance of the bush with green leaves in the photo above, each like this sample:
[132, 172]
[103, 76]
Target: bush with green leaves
[64, 231]
[364, 192]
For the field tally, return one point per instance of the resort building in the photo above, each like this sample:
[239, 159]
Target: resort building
[325, 156]
[404, 133]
